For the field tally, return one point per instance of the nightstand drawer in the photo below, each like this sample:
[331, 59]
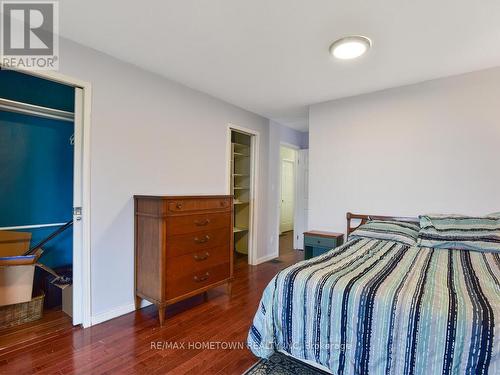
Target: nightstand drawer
[317, 251]
[320, 242]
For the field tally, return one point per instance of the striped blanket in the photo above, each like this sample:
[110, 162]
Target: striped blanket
[382, 307]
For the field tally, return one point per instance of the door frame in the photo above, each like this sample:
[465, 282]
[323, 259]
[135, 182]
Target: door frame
[81, 306]
[254, 183]
[301, 210]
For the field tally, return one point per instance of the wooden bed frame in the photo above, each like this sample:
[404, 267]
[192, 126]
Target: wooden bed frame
[364, 218]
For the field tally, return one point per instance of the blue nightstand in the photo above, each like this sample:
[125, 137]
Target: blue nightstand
[319, 242]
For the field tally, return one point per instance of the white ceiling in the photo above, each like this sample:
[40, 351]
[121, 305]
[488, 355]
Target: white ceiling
[271, 56]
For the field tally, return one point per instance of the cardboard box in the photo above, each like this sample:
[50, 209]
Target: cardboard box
[16, 270]
[14, 242]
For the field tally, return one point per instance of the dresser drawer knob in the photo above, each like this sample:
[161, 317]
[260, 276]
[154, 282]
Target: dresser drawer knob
[179, 205]
[202, 240]
[199, 279]
[201, 223]
[202, 256]
[223, 203]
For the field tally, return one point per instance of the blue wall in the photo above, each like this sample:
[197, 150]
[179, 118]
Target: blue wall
[36, 163]
[28, 89]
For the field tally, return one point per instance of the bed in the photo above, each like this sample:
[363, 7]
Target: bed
[384, 307]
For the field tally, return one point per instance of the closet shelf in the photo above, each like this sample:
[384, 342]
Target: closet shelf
[239, 230]
[240, 175]
[241, 145]
[240, 155]
[241, 188]
[239, 202]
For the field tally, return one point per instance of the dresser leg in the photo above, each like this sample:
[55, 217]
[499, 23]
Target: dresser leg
[229, 288]
[138, 302]
[161, 314]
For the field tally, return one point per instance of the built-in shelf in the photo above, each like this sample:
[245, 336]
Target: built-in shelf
[239, 202]
[240, 155]
[241, 145]
[239, 230]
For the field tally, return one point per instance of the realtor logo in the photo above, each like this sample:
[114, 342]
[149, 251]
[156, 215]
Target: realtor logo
[29, 36]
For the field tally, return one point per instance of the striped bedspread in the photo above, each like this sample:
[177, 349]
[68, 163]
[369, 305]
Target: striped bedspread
[381, 307]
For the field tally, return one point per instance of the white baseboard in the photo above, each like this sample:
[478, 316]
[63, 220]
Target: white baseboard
[113, 313]
[116, 312]
[266, 258]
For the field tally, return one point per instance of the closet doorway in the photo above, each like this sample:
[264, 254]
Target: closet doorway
[243, 151]
[44, 131]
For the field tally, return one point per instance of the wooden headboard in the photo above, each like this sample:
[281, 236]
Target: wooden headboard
[364, 218]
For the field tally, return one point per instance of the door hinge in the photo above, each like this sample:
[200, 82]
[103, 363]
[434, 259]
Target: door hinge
[77, 213]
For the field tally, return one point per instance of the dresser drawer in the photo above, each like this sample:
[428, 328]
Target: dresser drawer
[320, 242]
[194, 223]
[197, 241]
[187, 282]
[191, 263]
[179, 206]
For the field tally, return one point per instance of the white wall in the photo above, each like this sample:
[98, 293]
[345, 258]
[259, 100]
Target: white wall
[149, 136]
[430, 147]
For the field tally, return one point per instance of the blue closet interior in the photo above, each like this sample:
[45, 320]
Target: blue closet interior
[36, 163]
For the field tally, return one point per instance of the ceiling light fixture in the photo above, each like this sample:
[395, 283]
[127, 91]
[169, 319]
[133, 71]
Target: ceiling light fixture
[350, 47]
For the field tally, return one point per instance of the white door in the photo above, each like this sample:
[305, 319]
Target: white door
[302, 209]
[287, 195]
[77, 207]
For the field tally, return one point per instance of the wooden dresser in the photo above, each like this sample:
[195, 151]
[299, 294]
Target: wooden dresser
[183, 247]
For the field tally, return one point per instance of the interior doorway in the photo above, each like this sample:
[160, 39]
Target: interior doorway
[288, 181]
[43, 184]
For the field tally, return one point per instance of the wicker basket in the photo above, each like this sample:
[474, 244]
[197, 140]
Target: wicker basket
[19, 313]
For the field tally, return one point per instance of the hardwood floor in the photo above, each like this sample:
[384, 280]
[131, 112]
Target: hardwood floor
[286, 243]
[134, 343]
[53, 323]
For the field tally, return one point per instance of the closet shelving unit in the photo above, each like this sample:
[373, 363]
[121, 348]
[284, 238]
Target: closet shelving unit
[240, 189]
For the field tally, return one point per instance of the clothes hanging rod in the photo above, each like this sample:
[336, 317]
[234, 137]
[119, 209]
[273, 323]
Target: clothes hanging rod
[36, 110]
[33, 226]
